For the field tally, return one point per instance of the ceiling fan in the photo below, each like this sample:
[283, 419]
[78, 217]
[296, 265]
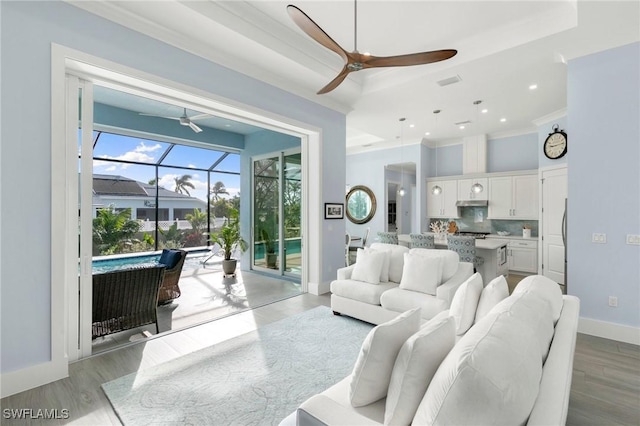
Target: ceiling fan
[183, 119]
[356, 61]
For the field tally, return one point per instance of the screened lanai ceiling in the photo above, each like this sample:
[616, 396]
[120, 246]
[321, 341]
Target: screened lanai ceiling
[119, 99]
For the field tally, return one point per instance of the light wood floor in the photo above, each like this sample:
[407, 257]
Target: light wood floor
[605, 389]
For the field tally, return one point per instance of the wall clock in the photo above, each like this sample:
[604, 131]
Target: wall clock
[555, 146]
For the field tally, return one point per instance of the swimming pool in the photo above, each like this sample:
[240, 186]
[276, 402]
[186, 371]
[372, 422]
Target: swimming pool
[193, 261]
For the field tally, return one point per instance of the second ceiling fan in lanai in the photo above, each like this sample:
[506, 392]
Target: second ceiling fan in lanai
[356, 61]
[183, 119]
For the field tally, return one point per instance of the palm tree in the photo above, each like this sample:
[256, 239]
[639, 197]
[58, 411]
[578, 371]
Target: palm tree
[182, 183]
[217, 189]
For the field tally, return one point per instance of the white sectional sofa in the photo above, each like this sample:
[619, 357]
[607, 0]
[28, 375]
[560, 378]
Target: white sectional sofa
[429, 280]
[513, 366]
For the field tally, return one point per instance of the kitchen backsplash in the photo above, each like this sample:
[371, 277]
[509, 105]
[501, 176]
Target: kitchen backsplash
[474, 219]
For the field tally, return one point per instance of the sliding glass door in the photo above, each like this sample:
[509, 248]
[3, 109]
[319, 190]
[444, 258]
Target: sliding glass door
[277, 200]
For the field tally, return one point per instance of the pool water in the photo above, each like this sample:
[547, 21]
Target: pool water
[193, 261]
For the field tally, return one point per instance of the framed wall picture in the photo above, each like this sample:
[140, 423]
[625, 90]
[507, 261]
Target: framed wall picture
[333, 211]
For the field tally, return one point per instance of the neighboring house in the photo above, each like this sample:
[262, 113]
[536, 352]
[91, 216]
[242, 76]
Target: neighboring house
[124, 193]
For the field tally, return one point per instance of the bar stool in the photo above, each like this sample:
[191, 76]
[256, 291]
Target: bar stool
[465, 246]
[422, 241]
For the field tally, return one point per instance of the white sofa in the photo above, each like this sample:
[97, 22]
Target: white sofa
[512, 367]
[380, 302]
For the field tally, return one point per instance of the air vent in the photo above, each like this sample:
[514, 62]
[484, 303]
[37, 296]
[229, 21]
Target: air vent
[460, 123]
[450, 80]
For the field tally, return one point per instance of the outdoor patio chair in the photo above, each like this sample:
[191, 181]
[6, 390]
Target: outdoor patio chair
[173, 260]
[125, 299]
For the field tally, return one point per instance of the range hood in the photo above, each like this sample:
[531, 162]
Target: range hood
[472, 203]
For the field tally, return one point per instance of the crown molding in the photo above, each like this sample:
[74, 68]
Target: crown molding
[556, 115]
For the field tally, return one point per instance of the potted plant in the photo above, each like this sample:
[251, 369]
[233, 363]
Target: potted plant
[271, 256]
[230, 240]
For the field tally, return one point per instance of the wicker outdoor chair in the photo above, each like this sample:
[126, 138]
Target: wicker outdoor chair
[125, 299]
[170, 289]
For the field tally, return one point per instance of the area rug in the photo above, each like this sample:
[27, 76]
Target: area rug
[258, 378]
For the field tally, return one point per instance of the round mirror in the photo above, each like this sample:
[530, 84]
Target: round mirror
[361, 204]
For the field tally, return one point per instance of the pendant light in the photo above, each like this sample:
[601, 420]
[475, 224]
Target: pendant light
[435, 190]
[477, 187]
[401, 191]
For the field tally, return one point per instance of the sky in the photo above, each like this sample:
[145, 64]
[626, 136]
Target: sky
[118, 147]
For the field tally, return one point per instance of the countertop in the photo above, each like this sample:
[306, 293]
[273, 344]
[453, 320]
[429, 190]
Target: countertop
[510, 237]
[486, 244]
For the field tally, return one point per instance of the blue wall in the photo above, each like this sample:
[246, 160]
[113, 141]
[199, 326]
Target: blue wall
[27, 31]
[512, 153]
[603, 107]
[449, 159]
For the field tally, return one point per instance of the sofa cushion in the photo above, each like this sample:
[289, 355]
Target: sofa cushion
[450, 260]
[491, 376]
[399, 300]
[492, 294]
[464, 303]
[396, 262]
[368, 266]
[417, 362]
[548, 289]
[535, 314]
[421, 273]
[372, 371]
[361, 291]
[384, 272]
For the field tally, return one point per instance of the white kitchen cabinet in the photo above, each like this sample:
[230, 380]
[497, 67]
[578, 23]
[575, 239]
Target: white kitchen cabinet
[523, 256]
[465, 191]
[513, 197]
[442, 205]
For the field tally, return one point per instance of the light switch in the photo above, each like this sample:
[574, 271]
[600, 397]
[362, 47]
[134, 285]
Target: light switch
[599, 238]
[633, 239]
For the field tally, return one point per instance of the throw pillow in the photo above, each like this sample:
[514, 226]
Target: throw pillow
[384, 273]
[368, 266]
[417, 362]
[546, 288]
[372, 371]
[492, 294]
[169, 258]
[464, 303]
[421, 273]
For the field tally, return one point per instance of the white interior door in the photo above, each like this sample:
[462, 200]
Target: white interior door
[554, 194]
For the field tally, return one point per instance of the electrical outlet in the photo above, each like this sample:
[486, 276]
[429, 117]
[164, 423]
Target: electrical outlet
[599, 238]
[613, 301]
[633, 239]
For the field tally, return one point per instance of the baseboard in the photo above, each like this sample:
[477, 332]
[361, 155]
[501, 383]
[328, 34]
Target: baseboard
[609, 330]
[31, 377]
[319, 288]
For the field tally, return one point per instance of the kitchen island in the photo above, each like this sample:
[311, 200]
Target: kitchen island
[493, 251]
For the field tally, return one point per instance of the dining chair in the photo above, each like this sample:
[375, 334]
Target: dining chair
[422, 241]
[353, 248]
[388, 237]
[347, 241]
[465, 246]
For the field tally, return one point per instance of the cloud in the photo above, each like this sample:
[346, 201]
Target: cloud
[144, 148]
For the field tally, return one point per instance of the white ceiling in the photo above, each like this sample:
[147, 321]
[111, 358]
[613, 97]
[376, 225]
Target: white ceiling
[503, 48]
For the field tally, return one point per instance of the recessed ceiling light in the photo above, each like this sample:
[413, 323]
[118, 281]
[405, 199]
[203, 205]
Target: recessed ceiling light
[484, 111]
[427, 133]
[533, 87]
[502, 120]
[461, 127]
[412, 125]
[367, 53]
[227, 125]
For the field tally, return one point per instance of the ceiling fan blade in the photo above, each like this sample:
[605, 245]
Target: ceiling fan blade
[194, 127]
[335, 82]
[410, 59]
[159, 116]
[314, 31]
